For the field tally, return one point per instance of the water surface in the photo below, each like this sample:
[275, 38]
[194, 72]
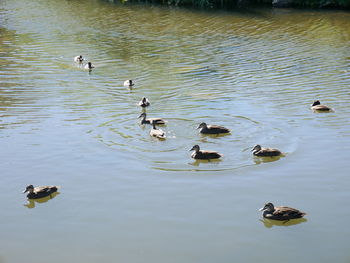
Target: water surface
[128, 197]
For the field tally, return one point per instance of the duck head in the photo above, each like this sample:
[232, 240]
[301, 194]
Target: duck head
[316, 102]
[268, 207]
[29, 188]
[202, 125]
[256, 148]
[195, 148]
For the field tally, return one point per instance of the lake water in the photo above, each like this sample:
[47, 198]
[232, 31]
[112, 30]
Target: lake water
[127, 197]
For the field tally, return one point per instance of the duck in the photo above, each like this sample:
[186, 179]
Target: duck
[203, 155]
[158, 121]
[260, 151]
[280, 212]
[158, 133]
[128, 83]
[212, 129]
[144, 102]
[89, 66]
[317, 106]
[79, 59]
[40, 191]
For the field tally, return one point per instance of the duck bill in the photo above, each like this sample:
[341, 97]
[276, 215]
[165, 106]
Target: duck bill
[25, 191]
[262, 209]
[191, 149]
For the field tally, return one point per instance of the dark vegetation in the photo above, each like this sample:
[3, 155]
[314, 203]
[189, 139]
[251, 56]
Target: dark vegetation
[228, 4]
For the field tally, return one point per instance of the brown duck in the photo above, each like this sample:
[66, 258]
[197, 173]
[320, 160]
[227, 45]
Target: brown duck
[280, 212]
[203, 155]
[40, 191]
[317, 106]
[212, 129]
[158, 121]
[144, 102]
[158, 133]
[260, 151]
[129, 83]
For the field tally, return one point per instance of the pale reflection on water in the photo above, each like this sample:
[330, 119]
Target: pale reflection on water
[131, 198]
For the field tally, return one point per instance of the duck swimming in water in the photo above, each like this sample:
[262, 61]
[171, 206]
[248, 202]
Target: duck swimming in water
[212, 129]
[203, 155]
[158, 121]
[40, 191]
[79, 59]
[158, 133]
[260, 151]
[280, 212]
[317, 106]
[129, 83]
[144, 102]
[89, 66]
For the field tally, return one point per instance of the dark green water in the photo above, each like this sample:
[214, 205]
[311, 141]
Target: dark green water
[127, 197]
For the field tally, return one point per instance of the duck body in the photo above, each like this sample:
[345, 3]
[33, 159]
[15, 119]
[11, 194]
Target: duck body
[158, 121]
[203, 155]
[89, 66]
[144, 102]
[158, 133]
[280, 212]
[40, 191]
[317, 106]
[128, 83]
[261, 152]
[212, 129]
[79, 59]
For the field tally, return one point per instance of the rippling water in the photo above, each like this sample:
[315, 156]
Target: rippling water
[128, 197]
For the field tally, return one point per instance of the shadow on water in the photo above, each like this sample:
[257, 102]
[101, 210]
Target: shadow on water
[31, 202]
[268, 223]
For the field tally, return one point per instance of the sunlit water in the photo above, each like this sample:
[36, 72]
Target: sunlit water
[127, 197]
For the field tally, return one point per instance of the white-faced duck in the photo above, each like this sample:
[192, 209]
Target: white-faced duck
[89, 66]
[144, 102]
[158, 121]
[260, 151]
[79, 59]
[318, 107]
[280, 212]
[203, 155]
[128, 83]
[158, 133]
[212, 129]
[40, 191]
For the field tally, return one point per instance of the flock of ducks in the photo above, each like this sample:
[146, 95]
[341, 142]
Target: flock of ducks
[269, 211]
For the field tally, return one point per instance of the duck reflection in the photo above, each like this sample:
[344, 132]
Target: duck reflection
[31, 202]
[266, 159]
[197, 162]
[268, 223]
